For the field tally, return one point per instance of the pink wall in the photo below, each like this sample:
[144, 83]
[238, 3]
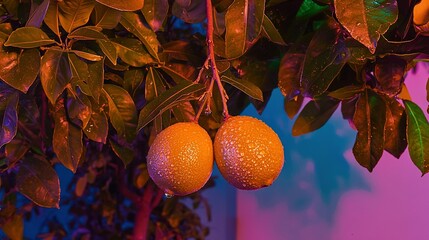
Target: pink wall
[323, 193]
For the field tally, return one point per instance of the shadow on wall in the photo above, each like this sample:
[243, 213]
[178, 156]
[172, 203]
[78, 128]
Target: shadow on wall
[315, 176]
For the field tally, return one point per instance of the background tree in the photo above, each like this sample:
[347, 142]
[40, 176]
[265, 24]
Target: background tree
[89, 83]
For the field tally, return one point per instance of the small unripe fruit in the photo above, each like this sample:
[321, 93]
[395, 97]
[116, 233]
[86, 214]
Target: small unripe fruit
[180, 160]
[248, 153]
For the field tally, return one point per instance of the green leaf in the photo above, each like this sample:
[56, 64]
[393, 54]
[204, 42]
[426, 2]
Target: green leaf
[96, 78]
[74, 13]
[293, 105]
[247, 87]
[123, 151]
[167, 99]
[155, 12]
[87, 33]
[309, 9]
[314, 115]
[55, 73]
[105, 17]
[37, 180]
[369, 119]
[346, 92]
[325, 57]
[36, 17]
[133, 79]
[14, 227]
[395, 130]
[109, 50]
[9, 118]
[290, 74]
[78, 67]
[366, 20]
[66, 139]
[243, 21]
[51, 18]
[28, 37]
[132, 52]
[122, 111]
[153, 85]
[134, 25]
[97, 128]
[123, 5]
[20, 70]
[417, 136]
[270, 31]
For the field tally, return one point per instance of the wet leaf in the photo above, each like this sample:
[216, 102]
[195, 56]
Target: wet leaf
[9, 118]
[37, 180]
[417, 136]
[366, 20]
[87, 33]
[79, 108]
[243, 25]
[132, 52]
[290, 74]
[78, 67]
[247, 87]
[395, 141]
[66, 139]
[28, 37]
[123, 5]
[389, 72]
[105, 17]
[134, 25]
[293, 105]
[74, 13]
[153, 84]
[96, 78]
[369, 119]
[270, 31]
[20, 70]
[109, 50]
[314, 115]
[133, 80]
[51, 18]
[55, 73]
[122, 111]
[167, 99]
[325, 57]
[97, 128]
[346, 92]
[36, 17]
[155, 12]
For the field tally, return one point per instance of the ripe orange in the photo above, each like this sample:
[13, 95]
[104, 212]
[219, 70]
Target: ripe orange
[248, 153]
[421, 13]
[180, 160]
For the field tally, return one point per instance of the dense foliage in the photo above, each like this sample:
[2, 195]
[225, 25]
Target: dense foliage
[89, 83]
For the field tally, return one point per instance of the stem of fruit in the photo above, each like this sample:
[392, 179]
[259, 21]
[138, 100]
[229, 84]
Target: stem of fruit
[212, 59]
[206, 101]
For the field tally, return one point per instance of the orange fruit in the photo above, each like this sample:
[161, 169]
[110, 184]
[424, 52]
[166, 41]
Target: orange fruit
[421, 13]
[248, 153]
[180, 160]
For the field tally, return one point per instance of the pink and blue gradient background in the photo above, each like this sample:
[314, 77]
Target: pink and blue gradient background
[323, 193]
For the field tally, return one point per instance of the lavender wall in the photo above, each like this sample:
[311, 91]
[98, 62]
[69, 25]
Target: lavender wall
[322, 193]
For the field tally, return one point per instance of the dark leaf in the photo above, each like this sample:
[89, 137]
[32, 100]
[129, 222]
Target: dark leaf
[9, 118]
[133, 79]
[98, 126]
[389, 72]
[176, 76]
[36, 17]
[78, 67]
[14, 227]
[75, 13]
[366, 20]
[243, 25]
[134, 25]
[395, 131]
[153, 85]
[109, 50]
[369, 119]
[66, 139]
[105, 17]
[247, 87]
[16, 150]
[270, 31]
[20, 70]
[184, 112]
[51, 18]
[55, 73]
[123, 5]
[123, 151]
[314, 115]
[293, 105]
[325, 57]
[417, 136]
[81, 185]
[155, 12]
[169, 98]
[131, 51]
[79, 108]
[37, 180]
[290, 73]
[192, 11]
[28, 37]
[346, 92]
[87, 33]
[96, 78]
[122, 111]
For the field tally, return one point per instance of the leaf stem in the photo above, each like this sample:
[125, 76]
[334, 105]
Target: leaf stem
[212, 59]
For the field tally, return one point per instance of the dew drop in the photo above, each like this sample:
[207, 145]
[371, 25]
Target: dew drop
[168, 195]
